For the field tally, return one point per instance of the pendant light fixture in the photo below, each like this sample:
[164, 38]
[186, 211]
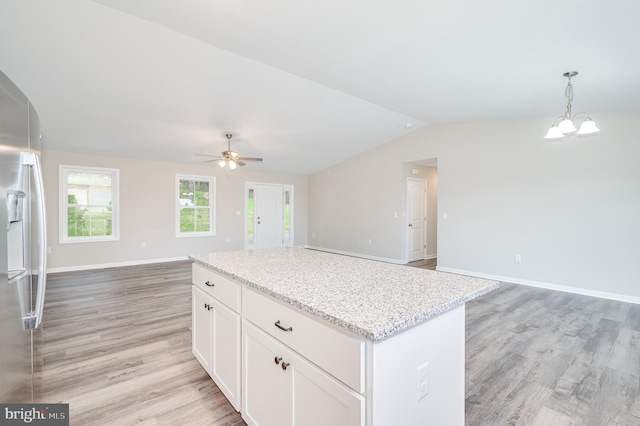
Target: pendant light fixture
[564, 125]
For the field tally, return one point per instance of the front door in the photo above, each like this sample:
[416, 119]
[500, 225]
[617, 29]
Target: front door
[268, 216]
[416, 219]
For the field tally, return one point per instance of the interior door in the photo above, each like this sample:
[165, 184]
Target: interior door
[268, 216]
[416, 220]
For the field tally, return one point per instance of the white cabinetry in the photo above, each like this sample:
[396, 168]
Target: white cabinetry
[281, 366]
[216, 330]
[201, 327]
[282, 388]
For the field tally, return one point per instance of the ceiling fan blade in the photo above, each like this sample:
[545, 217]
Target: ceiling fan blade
[228, 157]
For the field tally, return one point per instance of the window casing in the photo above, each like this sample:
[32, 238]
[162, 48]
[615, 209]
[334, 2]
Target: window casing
[89, 204]
[195, 206]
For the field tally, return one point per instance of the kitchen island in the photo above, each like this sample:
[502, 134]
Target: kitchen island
[320, 338]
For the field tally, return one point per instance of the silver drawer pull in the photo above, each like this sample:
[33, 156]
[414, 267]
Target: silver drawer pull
[277, 324]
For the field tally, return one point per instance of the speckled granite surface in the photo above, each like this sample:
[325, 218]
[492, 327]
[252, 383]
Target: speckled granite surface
[370, 298]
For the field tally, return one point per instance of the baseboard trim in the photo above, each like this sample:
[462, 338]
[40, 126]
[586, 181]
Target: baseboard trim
[547, 286]
[114, 265]
[363, 256]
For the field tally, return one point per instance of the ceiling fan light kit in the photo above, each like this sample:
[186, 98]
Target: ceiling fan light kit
[230, 159]
[564, 125]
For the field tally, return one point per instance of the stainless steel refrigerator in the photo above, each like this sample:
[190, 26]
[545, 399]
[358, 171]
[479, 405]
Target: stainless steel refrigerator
[23, 248]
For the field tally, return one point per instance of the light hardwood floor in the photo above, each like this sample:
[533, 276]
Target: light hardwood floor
[542, 357]
[430, 264]
[118, 350]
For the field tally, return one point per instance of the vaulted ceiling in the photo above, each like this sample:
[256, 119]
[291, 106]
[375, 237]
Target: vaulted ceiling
[306, 84]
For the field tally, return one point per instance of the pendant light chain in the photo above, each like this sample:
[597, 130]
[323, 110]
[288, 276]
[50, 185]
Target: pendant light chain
[564, 125]
[568, 92]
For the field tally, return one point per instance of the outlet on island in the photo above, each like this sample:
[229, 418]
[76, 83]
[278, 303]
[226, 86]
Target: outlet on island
[423, 380]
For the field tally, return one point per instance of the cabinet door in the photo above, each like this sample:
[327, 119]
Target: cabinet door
[263, 380]
[299, 395]
[317, 399]
[201, 328]
[225, 364]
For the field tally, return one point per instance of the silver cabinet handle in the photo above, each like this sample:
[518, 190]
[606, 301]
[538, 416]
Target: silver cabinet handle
[277, 324]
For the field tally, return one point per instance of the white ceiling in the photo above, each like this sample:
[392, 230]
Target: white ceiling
[306, 84]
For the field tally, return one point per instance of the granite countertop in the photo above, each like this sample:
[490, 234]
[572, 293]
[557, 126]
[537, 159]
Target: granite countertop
[370, 298]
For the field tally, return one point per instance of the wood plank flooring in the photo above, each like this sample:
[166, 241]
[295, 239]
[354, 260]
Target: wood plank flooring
[541, 357]
[430, 264]
[118, 350]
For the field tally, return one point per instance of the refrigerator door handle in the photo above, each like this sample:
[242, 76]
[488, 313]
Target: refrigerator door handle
[31, 159]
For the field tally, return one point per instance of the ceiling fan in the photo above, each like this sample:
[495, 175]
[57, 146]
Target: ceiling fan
[229, 158]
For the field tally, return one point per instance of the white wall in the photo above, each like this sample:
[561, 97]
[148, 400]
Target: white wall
[570, 208]
[147, 211]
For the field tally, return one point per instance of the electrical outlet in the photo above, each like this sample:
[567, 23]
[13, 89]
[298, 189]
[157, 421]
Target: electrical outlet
[423, 380]
[518, 258]
[143, 244]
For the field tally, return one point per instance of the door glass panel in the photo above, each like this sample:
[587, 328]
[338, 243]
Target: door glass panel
[287, 217]
[250, 217]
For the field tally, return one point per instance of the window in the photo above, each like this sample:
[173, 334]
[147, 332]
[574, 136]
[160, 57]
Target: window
[89, 204]
[195, 206]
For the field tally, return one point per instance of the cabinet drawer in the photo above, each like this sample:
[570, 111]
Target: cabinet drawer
[335, 352]
[218, 286]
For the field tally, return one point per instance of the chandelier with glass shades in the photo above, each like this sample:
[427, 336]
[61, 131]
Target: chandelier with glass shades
[564, 125]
